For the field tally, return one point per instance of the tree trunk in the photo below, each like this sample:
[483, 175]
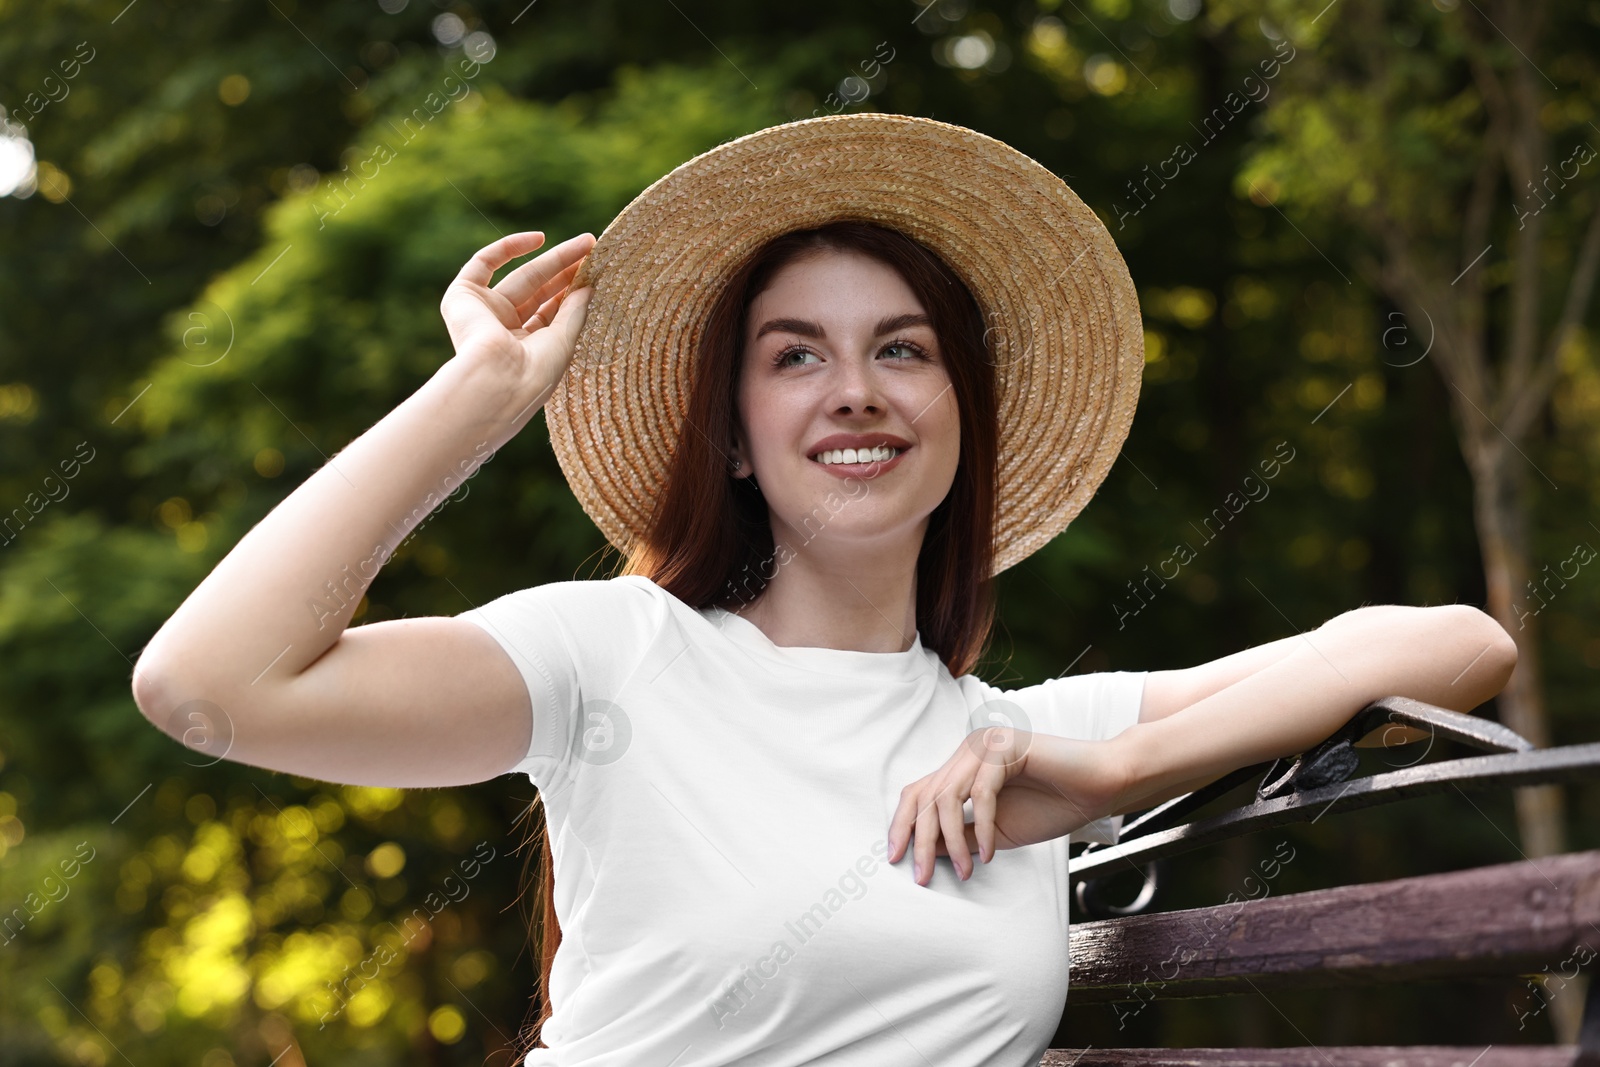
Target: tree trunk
[1500, 484]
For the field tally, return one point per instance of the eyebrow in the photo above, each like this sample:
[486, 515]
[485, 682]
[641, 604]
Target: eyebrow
[806, 328]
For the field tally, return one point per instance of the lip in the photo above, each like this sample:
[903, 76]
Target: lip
[868, 469]
[857, 440]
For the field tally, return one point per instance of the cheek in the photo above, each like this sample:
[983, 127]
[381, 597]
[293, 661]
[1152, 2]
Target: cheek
[941, 420]
[769, 419]
[748, 409]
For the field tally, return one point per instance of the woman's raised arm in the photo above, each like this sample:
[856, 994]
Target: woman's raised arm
[257, 664]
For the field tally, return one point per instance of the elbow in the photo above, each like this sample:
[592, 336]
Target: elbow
[151, 681]
[1504, 650]
[1489, 651]
[170, 703]
[151, 693]
[184, 705]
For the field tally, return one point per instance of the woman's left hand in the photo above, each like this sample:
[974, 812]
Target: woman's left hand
[1025, 788]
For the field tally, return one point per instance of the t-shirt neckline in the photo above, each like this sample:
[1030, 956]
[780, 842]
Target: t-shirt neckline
[908, 664]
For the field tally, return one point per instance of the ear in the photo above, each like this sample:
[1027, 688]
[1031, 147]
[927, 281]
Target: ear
[739, 451]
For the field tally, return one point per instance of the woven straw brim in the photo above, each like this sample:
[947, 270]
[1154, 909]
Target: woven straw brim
[1065, 332]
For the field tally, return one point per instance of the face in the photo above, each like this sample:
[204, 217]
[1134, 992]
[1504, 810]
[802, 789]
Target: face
[839, 354]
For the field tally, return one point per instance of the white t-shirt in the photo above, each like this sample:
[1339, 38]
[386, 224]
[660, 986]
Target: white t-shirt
[718, 810]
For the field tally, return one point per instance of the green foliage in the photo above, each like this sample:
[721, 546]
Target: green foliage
[212, 362]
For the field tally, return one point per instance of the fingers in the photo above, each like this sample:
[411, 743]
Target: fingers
[522, 285]
[926, 836]
[952, 823]
[485, 261]
[569, 318]
[552, 288]
[930, 813]
[546, 313]
[942, 816]
[549, 289]
[985, 798]
[900, 825]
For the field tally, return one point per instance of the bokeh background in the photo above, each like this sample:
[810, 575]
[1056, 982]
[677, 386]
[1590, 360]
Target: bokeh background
[1365, 237]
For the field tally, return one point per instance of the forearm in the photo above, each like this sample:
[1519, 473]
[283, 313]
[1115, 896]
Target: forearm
[287, 590]
[1169, 691]
[1452, 656]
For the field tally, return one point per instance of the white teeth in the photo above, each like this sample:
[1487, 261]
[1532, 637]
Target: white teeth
[857, 455]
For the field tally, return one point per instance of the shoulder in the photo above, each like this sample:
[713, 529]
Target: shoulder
[575, 601]
[583, 619]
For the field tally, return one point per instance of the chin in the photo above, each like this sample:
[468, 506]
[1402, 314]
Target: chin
[860, 533]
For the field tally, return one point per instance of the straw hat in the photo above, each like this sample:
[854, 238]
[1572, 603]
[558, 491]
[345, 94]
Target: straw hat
[1064, 329]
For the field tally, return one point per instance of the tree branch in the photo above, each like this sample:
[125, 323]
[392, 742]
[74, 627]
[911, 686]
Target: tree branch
[1495, 101]
[1457, 355]
[1529, 147]
[1526, 403]
[1475, 225]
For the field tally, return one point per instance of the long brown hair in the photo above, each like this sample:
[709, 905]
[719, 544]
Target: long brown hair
[710, 540]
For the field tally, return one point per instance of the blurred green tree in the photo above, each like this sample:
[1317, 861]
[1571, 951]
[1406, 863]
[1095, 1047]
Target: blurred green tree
[264, 283]
[1442, 140]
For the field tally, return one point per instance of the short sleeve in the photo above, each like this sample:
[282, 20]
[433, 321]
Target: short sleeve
[571, 642]
[1088, 707]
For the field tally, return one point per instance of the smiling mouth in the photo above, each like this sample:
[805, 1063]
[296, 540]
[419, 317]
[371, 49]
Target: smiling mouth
[880, 454]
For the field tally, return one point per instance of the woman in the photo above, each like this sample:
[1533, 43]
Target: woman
[738, 741]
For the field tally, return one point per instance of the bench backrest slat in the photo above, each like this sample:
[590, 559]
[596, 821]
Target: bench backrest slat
[1513, 918]
[1311, 1056]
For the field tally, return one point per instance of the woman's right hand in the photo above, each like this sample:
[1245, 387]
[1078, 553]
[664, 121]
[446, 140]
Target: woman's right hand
[522, 330]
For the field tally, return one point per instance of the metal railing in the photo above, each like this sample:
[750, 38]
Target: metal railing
[1318, 781]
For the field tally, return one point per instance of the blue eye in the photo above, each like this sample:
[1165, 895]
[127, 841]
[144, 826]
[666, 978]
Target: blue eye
[910, 352]
[782, 358]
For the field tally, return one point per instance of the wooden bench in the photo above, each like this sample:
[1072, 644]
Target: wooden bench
[1534, 917]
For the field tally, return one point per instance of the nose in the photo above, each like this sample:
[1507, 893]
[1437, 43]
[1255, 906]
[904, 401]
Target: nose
[856, 387]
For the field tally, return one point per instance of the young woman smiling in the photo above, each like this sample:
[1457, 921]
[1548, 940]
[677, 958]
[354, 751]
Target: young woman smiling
[816, 440]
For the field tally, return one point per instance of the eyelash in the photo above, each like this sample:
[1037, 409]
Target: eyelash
[917, 351]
